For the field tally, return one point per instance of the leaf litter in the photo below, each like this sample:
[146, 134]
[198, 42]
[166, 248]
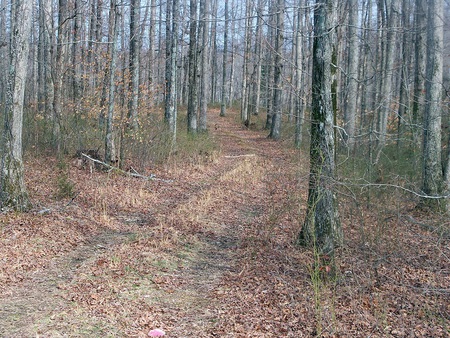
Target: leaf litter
[213, 254]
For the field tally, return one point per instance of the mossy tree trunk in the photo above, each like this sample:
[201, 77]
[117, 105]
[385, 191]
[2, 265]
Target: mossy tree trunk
[322, 229]
[13, 191]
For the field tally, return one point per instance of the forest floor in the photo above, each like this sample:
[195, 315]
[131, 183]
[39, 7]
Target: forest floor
[207, 249]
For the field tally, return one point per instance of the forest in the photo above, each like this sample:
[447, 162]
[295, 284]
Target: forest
[225, 168]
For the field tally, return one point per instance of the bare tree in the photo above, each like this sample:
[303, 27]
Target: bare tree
[12, 186]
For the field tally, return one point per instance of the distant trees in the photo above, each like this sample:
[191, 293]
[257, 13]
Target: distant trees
[81, 91]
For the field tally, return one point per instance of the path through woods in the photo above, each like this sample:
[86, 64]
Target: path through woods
[208, 252]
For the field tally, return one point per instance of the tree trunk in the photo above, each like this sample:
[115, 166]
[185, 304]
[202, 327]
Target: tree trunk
[193, 86]
[12, 186]
[171, 70]
[299, 111]
[432, 162]
[151, 44]
[58, 76]
[110, 150]
[350, 112]
[404, 99]
[322, 229]
[420, 52]
[232, 70]
[204, 12]
[45, 82]
[275, 131]
[387, 80]
[134, 65]
[245, 64]
[213, 49]
[223, 105]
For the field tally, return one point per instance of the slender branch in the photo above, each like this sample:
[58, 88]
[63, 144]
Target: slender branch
[127, 173]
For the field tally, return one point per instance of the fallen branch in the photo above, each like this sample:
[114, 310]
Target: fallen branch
[127, 173]
[440, 230]
[237, 156]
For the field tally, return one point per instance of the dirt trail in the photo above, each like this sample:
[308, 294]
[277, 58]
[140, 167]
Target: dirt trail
[24, 307]
[213, 204]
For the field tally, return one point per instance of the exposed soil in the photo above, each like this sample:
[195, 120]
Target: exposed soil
[209, 251]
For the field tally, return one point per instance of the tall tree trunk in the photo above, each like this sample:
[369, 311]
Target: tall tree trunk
[232, 70]
[151, 44]
[213, 50]
[299, 111]
[350, 112]
[387, 80]
[245, 66]
[58, 76]
[76, 57]
[45, 81]
[258, 60]
[420, 52]
[223, 104]
[269, 63]
[193, 86]
[134, 64]
[322, 229]
[204, 12]
[432, 162]
[171, 71]
[110, 149]
[13, 193]
[275, 131]
[403, 106]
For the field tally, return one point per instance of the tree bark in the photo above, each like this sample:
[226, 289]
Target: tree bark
[110, 150]
[204, 12]
[171, 68]
[275, 131]
[13, 192]
[223, 104]
[322, 229]
[245, 118]
[299, 111]
[350, 112]
[58, 76]
[420, 52]
[432, 162]
[134, 65]
[193, 86]
[387, 80]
